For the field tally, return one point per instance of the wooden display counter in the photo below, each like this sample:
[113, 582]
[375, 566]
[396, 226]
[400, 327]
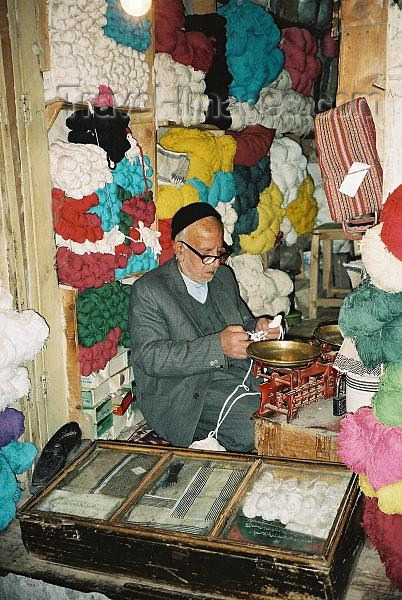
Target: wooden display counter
[312, 435]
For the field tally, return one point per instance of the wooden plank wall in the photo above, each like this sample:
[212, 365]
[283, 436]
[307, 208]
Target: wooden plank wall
[31, 209]
[362, 59]
[393, 102]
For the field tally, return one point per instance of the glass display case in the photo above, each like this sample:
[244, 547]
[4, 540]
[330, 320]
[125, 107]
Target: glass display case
[176, 515]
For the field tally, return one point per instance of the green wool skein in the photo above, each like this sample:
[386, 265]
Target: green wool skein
[101, 309]
[373, 318]
[387, 402]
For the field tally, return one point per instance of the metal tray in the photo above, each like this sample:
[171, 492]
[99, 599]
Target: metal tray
[329, 334]
[283, 353]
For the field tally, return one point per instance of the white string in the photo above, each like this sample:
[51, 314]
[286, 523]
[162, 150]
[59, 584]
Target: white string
[222, 415]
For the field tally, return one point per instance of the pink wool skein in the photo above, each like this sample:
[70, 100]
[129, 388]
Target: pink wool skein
[370, 448]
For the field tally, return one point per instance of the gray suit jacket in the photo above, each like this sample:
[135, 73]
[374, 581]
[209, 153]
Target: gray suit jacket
[173, 360]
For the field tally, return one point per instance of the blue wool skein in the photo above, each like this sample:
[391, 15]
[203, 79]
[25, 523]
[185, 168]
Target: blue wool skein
[222, 188]
[130, 176]
[126, 29]
[137, 263]
[108, 209]
[252, 52]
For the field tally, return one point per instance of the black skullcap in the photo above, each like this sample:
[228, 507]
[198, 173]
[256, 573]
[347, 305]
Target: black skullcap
[186, 215]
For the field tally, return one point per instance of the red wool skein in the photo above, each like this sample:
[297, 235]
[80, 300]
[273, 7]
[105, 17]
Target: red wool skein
[140, 210]
[385, 533]
[70, 220]
[188, 48]
[329, 46]
[301, 62]
[97, 356]
[165, 240]
[87, 270]
[253, 143]
[391, 216]
[132, 247]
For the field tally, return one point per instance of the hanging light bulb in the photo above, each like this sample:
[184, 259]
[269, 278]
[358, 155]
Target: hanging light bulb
[136, 8]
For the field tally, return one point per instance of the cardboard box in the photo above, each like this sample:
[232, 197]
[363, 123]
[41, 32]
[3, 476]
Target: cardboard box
[120, 361]
[99, 412]
[122, 379]
[92, 397]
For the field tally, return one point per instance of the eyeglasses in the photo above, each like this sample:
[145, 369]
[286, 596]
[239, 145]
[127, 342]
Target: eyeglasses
[207, 259]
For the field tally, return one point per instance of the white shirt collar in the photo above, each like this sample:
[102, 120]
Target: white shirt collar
[197, 290]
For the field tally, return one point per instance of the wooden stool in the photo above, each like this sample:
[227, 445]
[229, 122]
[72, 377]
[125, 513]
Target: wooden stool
[327, 233]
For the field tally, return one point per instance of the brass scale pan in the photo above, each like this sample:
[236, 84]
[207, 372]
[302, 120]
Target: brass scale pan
[293, 353]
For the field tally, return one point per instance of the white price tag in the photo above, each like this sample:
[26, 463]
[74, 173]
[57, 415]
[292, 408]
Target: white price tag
[354, 178]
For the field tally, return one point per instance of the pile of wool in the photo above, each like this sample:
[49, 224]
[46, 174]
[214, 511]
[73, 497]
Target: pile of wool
[208, 153]
[371, 448]
[389, 496]
[97, 356]
[288, 167]
[87, 270]
[106, 245]
[23, 334]
[82, 56]
[253, 143]
[179, 92]
[70, 221]
[302, 211]
[278, 107]
[250, 182]
[222, 188]
[386, 401]
[126, 29]
[373, 318]
[384, 268]
[301, 61]
[186, 47]
[385, 533]
[270, 215]
[171, 198]
[253, 56]
[306, 506]
[323, 215]
[78, 169]
[134, 175]
[229, 218]
[265, 292]
[165, 229]
[100, 310]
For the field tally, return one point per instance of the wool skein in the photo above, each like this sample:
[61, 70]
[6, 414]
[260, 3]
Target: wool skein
[387, 401]
[370, 448]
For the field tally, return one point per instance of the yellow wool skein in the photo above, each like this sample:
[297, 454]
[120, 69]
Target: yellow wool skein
[389, 496]
[208, 153]
[171, 198]
[270, 216]
[303, 210]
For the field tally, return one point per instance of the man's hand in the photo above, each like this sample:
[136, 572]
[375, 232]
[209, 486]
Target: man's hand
[262, 325]
[234, 341]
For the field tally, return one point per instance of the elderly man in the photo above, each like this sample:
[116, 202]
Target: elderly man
[188, 327]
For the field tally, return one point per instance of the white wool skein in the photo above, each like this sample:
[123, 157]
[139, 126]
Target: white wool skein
[265, 292]
[278, 107]
[229, 218]
[134, 151]
[14, 384]
[150, 238]
[78, 169]
[107, 245]
[289, 232]
[23, 336]
[179, 92]
[384, 268]
[82, 57]
[288, 167]
[323, 215]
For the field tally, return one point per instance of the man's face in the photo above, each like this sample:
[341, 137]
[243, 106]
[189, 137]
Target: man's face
[205, 236]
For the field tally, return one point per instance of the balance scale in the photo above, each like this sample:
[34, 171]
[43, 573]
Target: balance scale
[296, 373]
